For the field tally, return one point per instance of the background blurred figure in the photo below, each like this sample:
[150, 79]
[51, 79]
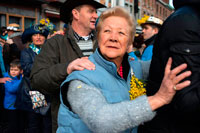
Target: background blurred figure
[65, 28]
[150, 29]
[14, 36]
[13, 29]
[179, 37]
[3, 38]
[36, 36]
[137, 47]
[13, 45]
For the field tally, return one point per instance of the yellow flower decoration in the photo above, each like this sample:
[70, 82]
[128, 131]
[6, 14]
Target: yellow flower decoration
[137, 88]
[143, 19]
[45, 21]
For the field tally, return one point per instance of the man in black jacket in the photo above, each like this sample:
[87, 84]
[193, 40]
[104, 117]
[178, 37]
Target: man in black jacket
[60, 55]
[179, 37]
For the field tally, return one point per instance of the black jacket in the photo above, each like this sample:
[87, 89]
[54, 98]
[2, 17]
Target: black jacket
[179, 37]
[27, 59]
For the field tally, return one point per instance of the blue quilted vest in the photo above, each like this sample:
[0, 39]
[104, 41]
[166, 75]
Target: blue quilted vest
[104, 76]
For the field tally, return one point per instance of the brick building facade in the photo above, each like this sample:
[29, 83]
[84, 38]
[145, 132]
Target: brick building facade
[157, 8]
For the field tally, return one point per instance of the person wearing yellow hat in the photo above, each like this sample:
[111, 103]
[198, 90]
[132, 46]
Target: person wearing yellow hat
[150, 29]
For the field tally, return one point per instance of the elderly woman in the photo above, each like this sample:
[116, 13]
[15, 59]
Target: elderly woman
[98, 100]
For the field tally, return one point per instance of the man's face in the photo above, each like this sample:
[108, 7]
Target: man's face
[87, 17]
[148, 31]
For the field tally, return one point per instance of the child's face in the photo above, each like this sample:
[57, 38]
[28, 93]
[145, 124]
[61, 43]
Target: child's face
[15, 71]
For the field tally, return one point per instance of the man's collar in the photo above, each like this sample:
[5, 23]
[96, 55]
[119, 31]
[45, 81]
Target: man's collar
[78, 37]
[150, 41]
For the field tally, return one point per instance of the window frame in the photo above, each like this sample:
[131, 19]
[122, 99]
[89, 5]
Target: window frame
[22, 18]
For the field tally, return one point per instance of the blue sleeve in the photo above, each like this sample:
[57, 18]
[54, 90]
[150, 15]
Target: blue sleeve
[132, 54]
[12, 86]
[100, 116]
[147, 54]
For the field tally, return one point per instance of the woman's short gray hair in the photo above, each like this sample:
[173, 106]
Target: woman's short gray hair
[119, 12]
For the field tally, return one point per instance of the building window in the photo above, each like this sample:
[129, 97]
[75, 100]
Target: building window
[163, 12]
[14, 19]
[109, 3]
[23, 21]
[156, 9]
[160, 10]
[144, 2]
[117, 2]
[28, 22]
[2, 20]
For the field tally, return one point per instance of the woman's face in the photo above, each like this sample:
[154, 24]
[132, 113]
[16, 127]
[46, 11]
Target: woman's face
[38, 39]
[114, 38]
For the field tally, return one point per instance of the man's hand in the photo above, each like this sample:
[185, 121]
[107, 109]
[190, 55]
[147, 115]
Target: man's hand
[10, 41]
[57, 32]
[80, 64]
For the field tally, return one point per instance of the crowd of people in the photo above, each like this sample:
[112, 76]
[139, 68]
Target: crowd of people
[100, 76]
[17, 58]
